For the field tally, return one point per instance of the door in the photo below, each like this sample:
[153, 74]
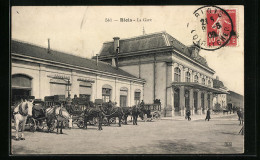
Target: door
[18, 94]
[187, 99]
[123, 101]
[195, 96]
[176, 99]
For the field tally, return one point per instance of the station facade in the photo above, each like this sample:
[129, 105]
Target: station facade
[38, 71]
[174, 73]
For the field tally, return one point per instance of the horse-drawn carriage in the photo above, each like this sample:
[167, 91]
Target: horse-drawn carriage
[38, 119]
[152, 111]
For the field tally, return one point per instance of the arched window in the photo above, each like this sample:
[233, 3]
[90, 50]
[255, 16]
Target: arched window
[196, 79]
[137, 96]
[187, 76]
[123, 96]
[209, 83]
[177, 74]
[21, 87]
[203, 81]
[106, 93]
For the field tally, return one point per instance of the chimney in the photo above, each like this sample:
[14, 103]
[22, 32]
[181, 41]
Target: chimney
[97, 59]
[116, 50]
[116, 43]
[49, 48]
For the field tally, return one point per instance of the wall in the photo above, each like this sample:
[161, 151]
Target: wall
[41, 75]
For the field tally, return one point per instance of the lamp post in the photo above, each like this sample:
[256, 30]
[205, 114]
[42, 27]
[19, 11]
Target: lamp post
[68, 87]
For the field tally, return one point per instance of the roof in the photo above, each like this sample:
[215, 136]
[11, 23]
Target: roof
[148, 42]
[235, 95]
[218, 84]
[31, 50]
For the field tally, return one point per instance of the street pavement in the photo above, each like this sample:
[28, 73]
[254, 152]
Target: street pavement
[217, 136]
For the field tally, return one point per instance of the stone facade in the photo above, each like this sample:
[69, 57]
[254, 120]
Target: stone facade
[45, 76]
[158, 65]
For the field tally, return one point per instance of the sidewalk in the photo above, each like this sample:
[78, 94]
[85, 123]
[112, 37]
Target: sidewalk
[198, 117]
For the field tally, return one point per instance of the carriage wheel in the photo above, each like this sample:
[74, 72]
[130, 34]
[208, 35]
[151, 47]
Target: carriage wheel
[95, 121]
[105, 121]
[80, 122]
[32, 124]
[40, 125]
[53, 125]
[112, 120]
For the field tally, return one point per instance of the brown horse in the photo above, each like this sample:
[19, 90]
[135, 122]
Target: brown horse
[56, 114]
[111, 111]
[90, 113]
[136, 111]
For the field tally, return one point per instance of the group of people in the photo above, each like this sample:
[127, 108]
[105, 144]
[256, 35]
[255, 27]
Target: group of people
[188, 114]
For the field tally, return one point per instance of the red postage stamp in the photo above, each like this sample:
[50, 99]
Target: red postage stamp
[219, 26]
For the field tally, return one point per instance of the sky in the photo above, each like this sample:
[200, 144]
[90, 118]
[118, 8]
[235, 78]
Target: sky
[81, 30]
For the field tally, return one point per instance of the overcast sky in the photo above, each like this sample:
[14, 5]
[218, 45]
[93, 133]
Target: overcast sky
[82, 30]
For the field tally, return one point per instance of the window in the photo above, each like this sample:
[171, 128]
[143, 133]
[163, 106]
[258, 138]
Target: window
[209, 83]
[58, 87]
[203, 81]
[196, 79]
[85, 90]
[137, 97]
[123, 96]
[187, 77]
[177, 74]
[106, 94]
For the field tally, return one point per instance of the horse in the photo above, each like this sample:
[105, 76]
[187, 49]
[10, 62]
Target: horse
[225, 111]
[127, 111]
[110, 111]
[90, 113]
[21, 112]
[135, 112]
[240, 115]
[38, 113]
[56, 113]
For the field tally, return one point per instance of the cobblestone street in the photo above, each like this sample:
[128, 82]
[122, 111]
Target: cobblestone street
[159, 137]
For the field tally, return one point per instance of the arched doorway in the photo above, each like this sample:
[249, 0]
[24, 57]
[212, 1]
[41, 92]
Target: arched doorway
[187, 99]
[202, 102]
[195, 97]
[176, 100]
[21, 87]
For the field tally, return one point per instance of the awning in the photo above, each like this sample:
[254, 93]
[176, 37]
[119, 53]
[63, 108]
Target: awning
[196, 85]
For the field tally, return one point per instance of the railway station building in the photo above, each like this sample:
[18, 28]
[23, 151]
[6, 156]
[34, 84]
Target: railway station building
[219, 100]
[174, 73]
[39, 71]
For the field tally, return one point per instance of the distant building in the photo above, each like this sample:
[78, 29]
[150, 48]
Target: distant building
[235, 100]
[39, 72]
[219, 100]
[174, 73]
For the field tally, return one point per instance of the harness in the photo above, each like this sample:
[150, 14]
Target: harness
[20, 111]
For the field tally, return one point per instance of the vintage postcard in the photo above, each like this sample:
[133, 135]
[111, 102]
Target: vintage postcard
[127, 80]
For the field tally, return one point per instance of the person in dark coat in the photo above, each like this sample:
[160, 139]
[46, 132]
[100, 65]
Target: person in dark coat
[188, 115]
[208, 115]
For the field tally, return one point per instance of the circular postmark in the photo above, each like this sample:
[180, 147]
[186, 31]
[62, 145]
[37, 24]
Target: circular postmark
[213, 27]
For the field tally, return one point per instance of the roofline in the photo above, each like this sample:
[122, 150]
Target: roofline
[62, 65]
[161, 32]
[169, 48]
[207, 68]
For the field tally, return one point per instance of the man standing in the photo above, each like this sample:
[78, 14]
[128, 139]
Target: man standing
[208, 115]
[188, 115]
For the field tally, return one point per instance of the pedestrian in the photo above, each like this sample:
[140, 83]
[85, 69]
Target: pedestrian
[70, 122]
[208, 115]
[188, 115]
